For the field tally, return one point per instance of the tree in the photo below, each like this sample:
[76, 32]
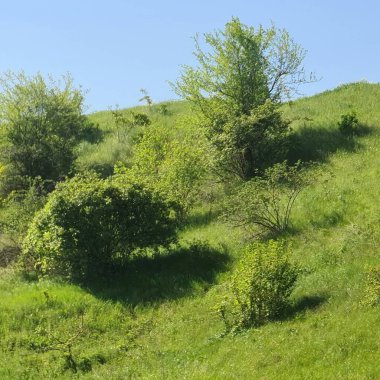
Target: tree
[242, 69]
[43, 121]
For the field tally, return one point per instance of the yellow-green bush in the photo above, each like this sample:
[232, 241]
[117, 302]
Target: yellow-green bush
[260, 287]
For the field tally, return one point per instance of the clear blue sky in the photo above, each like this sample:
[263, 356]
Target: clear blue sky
[113, 48]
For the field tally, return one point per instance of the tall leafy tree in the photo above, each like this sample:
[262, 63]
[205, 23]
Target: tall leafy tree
[43, 121]
[240, 70]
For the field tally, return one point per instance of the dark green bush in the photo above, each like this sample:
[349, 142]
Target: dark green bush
[349, 124]
[261, 286]
[43, 121]
[248, 144]
[89, 224]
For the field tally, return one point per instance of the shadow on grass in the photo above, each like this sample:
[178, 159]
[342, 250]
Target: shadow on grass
[92, 134]
[305, 303]
[318, 142]
[177, 273]
[309, 303]
[329, 219]
[202, 218]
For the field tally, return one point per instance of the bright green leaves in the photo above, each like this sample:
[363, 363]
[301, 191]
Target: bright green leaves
[89, 225]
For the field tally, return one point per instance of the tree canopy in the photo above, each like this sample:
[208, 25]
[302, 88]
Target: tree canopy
[43, 121]
[242, 67]
[242, 75]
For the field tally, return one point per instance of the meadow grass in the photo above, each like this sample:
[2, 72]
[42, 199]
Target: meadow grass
[158, 318]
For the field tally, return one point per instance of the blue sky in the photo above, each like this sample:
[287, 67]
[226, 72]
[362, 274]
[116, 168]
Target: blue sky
[114, 48]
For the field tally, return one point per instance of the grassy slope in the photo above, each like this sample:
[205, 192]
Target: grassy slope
[158, 321]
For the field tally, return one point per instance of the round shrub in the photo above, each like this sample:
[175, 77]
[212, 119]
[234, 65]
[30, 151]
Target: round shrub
[88, 224]
[261, 286]
[349, 124]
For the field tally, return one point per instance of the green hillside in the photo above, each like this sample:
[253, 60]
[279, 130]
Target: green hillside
[159, 320]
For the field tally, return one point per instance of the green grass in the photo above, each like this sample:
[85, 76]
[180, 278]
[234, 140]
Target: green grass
[157, 320]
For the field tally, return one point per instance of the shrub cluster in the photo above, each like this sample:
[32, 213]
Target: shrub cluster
[88, 224]
[261, 286]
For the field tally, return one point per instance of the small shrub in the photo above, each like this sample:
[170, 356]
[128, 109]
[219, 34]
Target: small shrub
[261, 286]
[349, 124]
[163, 109]
[126, 122]
[89, 224]
[264, 204]
[372, 290]
[140, 119]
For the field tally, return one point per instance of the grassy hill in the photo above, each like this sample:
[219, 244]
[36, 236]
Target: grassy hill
[158, 320]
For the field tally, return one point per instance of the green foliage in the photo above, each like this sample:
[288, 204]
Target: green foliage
[19, 207]
[261, 286]
[43, 122]
[173, 165]
[125, 122]
[140, 119]
[163, 109]
[349, 124]
[89, 224]
[146, 98]
[239, 80]
[159, 308]
[372, 290]
[17, 210]
[249, 144]
[241, 69]
[264, 204]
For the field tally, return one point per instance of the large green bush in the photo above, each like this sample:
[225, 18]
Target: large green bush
[43, 122]
[88, 224]
[261, 286]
